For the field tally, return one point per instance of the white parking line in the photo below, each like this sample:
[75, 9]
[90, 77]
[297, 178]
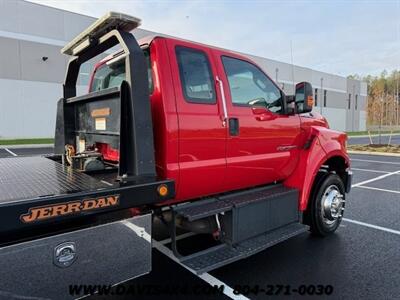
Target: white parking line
[375, 179]
[211, 280]
[367, 170]
[376, 161]
[106, 182]
[377, 189]
[9, 151]
[372, 226]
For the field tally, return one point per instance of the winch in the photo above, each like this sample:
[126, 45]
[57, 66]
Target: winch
[88, 160]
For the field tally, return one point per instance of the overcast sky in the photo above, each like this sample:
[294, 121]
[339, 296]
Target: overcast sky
[340, 37]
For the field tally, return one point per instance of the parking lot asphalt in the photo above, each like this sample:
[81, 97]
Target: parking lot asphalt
[9, 152]
[361, 260]
[395, 140]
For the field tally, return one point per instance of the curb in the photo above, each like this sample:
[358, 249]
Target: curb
[27, 146]
[373, 153]
[373, 135]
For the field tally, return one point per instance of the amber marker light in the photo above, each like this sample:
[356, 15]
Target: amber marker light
[310, 101]
[162, 190]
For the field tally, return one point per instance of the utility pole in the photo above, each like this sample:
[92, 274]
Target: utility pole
[380, 121]
[397, 95]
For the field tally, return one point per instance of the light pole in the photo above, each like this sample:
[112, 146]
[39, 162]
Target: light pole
[352, 107]
[380, 121]
[397, 95]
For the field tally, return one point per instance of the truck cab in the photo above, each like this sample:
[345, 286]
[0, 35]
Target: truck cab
[222, 124]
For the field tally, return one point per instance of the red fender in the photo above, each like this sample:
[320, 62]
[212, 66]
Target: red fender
[322, 144]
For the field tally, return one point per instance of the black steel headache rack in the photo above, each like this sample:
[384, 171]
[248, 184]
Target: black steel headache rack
[135, 132]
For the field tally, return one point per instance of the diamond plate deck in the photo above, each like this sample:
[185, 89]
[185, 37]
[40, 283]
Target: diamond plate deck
[34, 177]
[221, 255]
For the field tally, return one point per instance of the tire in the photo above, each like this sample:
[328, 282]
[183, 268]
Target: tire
[327, 205]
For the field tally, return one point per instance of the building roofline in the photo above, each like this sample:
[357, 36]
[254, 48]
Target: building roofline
[159, 34]
[59, 9]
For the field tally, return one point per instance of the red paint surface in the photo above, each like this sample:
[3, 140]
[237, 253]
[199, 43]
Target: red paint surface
[108, 152]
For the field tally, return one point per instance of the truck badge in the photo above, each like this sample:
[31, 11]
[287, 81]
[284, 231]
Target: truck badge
[61, 209]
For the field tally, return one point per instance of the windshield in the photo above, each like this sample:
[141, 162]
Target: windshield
[112, 75]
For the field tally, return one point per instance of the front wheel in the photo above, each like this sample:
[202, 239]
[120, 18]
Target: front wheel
[327, 206]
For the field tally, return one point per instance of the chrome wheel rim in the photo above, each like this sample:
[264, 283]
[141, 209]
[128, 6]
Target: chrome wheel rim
[332, 205]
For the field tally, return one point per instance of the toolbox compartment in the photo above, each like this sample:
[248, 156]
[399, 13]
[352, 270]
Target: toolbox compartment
[46, 268]
[261, 210]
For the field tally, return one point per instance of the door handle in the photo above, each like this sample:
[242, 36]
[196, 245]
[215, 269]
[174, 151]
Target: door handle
[234, 126]
[221, 88]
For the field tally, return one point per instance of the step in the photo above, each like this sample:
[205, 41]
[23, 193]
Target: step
[208, 207]
[203, 208]
[259, 194]
[224, 254]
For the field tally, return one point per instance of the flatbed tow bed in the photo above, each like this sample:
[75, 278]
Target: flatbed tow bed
[51, 215]
[36, 191]
[70, 217]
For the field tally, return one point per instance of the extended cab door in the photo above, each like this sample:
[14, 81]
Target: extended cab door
[262, 144]
[202, 138]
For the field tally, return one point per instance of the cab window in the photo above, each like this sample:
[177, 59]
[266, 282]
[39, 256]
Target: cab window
[249, 86]
[112, 75]
[196, 77]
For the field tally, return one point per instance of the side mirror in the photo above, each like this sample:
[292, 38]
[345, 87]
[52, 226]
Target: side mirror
[290, 109]
[304, 97]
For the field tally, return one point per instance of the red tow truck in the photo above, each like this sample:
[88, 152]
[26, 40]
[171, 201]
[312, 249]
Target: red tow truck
[196, 136]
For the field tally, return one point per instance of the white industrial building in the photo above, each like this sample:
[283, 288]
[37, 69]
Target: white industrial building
[32, 71]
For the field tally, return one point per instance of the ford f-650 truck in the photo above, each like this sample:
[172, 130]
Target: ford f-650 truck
[196, 136]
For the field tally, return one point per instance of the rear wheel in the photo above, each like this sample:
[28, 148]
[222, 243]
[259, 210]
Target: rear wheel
[327, 205]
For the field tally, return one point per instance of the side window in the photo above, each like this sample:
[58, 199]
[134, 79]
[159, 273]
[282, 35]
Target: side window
[250, 86]
[196, 77]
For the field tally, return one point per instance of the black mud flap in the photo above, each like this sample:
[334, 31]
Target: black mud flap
[348, 181]
[53, 267]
